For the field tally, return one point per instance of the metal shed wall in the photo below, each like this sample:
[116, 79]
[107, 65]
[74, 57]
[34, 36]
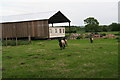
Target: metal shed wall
[25, 29]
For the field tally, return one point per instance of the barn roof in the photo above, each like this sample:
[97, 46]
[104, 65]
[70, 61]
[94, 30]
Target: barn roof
[51, 16]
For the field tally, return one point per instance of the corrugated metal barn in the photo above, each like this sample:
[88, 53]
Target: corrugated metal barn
[30, 25]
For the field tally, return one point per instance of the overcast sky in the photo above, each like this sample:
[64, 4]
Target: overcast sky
[105, 11]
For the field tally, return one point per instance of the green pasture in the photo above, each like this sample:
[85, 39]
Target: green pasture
[44, 59]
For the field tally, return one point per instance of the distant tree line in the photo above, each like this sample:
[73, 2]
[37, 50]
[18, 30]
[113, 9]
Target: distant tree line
[72, 29]
[92, 25]
[102, 28]
[99, 28]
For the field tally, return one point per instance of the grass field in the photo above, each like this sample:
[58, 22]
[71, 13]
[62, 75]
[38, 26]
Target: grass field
[44, 59]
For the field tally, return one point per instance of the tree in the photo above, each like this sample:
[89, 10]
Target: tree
[91, 20]
[92, 25]
[115, 27]
[105, 28]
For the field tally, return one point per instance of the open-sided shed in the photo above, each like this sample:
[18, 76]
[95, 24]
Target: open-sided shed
[30, 25]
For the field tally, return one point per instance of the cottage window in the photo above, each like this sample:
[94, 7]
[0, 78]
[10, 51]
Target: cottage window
[55, 30]
[50, 30]
[63, 30]
[60, 30]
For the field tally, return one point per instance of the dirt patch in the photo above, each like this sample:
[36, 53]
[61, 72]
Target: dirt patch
[34, 57]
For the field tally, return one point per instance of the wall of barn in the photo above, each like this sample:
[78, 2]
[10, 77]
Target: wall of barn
[38, 29]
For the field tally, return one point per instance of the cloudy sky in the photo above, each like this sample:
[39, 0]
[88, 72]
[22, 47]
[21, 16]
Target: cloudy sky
[105, 11]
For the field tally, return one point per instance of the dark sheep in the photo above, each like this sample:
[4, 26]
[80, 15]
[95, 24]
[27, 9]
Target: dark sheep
[91, 40]
[62, 43]
[91, 37]
[66, 44]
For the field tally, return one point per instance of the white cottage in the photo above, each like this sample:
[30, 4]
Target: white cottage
[56, 32]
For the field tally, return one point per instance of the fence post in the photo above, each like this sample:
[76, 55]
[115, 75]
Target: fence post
[16, 41]
[29, 38]
[6, 41]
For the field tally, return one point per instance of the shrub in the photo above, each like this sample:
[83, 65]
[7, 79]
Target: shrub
[9, 43]
[13, 42]
[87, 36]
[70, 31]
[23, 42]
[101, 35]
[80, 37]
[118, 38]
[96, 33]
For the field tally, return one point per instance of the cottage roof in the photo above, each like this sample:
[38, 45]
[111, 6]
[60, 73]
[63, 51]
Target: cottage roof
[51, 16]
